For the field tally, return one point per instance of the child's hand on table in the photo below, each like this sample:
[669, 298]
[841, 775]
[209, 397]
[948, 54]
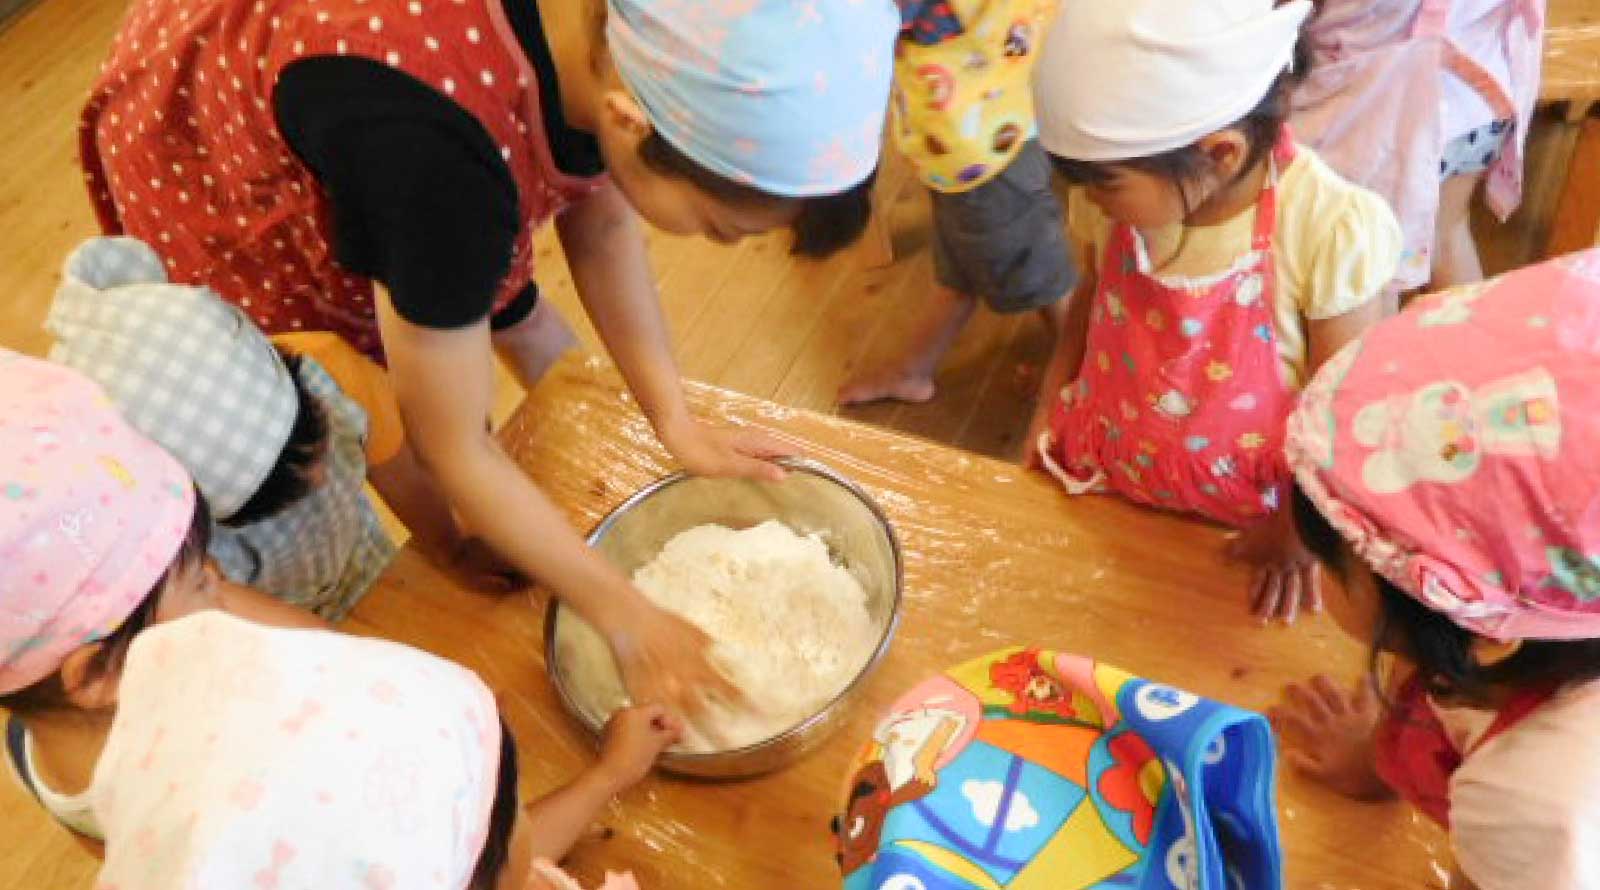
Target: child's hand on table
[706, 450]
[1331, 731]
[477, 567]
[1286, 577]
[633, 739]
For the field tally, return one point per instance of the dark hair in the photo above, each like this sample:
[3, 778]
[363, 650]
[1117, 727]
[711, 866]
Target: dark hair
[290, 478]
[824, 224]
[502, 817]
[1182, 166]
[50, 694]
[1441, 649]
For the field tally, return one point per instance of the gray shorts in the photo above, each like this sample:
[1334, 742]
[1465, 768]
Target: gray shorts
[1003, 241]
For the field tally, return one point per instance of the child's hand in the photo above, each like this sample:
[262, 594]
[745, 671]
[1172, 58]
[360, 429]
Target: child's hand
[632, 741]
[706, 450]
[1287, 578]
[665, 660]
[1332, 731]
[476, 567]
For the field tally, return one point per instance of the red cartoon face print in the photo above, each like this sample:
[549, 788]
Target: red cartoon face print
[1034, 689]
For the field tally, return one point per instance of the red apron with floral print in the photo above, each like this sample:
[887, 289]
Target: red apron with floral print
[181, 148]
[1181, 401]
[1415, 756]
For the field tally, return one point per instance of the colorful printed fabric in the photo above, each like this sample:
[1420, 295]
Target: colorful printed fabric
[963, 107]
[247, 756]
[1456, 447]
[1029, 769]
[1180, 402]
[91, 515]
[189, 370]
[788, 98]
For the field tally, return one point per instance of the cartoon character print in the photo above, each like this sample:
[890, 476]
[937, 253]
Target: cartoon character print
[910, 746]
[1249, 291]
[1173, 405]
[1451, 307]
[929, 22]
[1441, 432]
[1035, 690]
[1576, 573]
[1019, 39]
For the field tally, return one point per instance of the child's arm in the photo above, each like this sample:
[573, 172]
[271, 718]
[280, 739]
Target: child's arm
[633, 740]
[1327, 336]
[444, 382]
[1066, 362]
[422, 508]
[605, 250]
[1329, 735]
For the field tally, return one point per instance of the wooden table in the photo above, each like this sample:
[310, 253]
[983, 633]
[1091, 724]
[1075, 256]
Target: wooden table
[1571, 76]
[994, 556]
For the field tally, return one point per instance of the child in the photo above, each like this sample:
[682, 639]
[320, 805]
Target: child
[963, 115]
[329, 761]
[101, 534]
[280, 441]
[1225, 264]
[1447, 88]
[1447, 473]
[102, 538]
[379, 168]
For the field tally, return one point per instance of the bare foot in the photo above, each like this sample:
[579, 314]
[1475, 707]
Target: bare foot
[1330, 732]
[880, 384]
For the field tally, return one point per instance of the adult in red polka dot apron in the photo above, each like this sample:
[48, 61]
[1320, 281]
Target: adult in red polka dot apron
[1181, 401]
[182, 150]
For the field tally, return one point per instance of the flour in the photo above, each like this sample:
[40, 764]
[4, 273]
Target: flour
[789, 627]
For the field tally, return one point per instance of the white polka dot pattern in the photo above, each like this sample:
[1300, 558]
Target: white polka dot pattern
[191, 160]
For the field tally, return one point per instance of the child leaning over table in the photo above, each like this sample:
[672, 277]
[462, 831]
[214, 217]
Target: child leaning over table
[102, 568]
[1223, 262]
[963, 116]
[279, 435]
[1448, 471]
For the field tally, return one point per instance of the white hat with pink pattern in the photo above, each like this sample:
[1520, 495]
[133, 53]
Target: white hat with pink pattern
[249, 757]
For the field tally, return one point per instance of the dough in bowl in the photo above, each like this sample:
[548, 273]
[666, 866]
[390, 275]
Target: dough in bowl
[790, 628]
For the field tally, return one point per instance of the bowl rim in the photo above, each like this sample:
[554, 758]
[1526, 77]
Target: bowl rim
[799, 730]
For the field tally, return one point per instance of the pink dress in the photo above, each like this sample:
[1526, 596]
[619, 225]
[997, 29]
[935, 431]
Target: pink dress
[1376, 63]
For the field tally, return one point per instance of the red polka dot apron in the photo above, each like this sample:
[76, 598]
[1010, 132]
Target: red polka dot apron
[1181, 401]
[181, 148]
[1415, 756]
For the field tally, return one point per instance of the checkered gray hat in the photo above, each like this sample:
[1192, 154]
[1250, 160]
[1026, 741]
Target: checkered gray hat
[187, 369]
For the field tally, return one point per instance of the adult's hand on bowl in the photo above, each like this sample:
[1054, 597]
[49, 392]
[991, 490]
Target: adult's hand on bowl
[706, 450]
[665, 660]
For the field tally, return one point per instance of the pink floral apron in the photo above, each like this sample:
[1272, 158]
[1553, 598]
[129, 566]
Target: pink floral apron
[1181, 400]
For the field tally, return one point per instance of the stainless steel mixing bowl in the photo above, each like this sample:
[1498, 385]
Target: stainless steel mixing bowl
[812, 498]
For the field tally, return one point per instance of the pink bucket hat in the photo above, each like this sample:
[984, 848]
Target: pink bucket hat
[1457, 448]
[91, 515]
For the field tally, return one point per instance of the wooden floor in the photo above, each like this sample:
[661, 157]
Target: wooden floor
[749, 318]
